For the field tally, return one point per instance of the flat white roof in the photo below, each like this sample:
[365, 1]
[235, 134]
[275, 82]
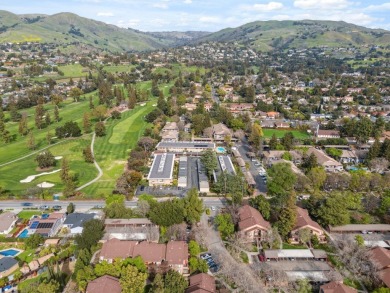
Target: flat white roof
[289, 253]
[379, 243]
[313, 275]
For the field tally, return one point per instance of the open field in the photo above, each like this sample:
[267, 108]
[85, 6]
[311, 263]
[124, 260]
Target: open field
[27, 214]
[111, 151]
[118, 68]
[17, 148]
[280, 133]
[72, 149]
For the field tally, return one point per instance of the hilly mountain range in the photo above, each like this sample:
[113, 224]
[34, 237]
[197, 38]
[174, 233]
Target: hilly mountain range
[260, 35]
[267, 35]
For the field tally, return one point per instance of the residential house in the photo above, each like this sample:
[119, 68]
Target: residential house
[137, 229]
[273, 115]
[324, 134]
[170, 132]
[201, 283]
[271, 156]
[251, 223]
[48, 227]
[174, 253]
[303, 221]
[220, 131]
[104, 284]
[239, 108]
[381, 259]
[328, 163]
[7, 222]
[75, 222]
[336, 287]
[349, 157]
[7, 266]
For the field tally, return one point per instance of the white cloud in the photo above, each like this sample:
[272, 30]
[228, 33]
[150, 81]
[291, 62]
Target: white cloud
[268, 6]
[384, 6]
[128, 23]
[210, 19]
[187, 1]
[322, 4]
[161, 5]
[105, 14]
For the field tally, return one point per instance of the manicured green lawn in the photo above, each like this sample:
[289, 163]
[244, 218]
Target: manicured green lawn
[111, 151]
[26, 256]
[280, 133]
[27, 214]
[118, 68]
[69, 111]
[73, 70]
[26, 283]
[291, 246]
[72, 149]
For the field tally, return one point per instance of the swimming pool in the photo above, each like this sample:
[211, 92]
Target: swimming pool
[10, 252]
[221, 150]
[24, 234]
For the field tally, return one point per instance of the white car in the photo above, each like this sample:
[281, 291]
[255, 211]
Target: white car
[213, 208]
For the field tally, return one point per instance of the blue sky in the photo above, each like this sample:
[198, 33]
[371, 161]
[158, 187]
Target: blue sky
[209, 15]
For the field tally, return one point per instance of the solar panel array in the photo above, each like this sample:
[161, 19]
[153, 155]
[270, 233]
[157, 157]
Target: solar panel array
[34, 225]
[45, 225]
[222, 163]
[162, 163]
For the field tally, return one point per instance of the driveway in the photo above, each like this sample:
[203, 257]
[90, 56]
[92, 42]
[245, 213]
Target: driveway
[238, 273]
[243, 148]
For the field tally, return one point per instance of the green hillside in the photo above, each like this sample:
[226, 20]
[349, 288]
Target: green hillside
[266, 35]
[68, 28]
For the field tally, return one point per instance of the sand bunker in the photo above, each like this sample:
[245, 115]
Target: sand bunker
[58, 157]
[45, 185]
[32, 177]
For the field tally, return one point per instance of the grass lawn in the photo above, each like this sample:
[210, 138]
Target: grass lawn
[111, 151]
[27, 214]
[18, 147]
[73, 70]
[291, 246]
[72, 149]
[280, 133]
[26, 256]
[28, 282]
[118, 68]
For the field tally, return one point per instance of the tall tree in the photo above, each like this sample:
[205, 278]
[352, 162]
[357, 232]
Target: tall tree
[31, 141]
[23, 128]
[87, 127]
[193, 206]
[287, 218]
[256, 136]
[132, 280]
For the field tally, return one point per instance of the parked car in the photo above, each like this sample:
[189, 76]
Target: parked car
[27, 204]
[44, 207]
[205, 256]
[57, 208]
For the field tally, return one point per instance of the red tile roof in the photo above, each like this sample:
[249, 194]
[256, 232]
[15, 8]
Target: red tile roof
[116, 248]
[304, 220]
[104, 284]
[177, 252]
[381, 257]
[336, 287]
[201, 283]
[250, 217]
[150, 252]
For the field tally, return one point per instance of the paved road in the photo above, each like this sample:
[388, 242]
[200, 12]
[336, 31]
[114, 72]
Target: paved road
[214, 96]
[84, 205]
[243, 148]
[240, 273]
[96, 165]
